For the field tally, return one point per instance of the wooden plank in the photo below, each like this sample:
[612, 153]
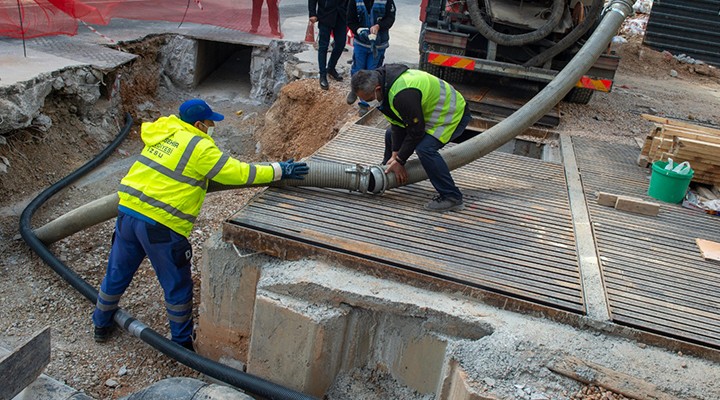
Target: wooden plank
[706, 193]
[659, 146]
[716, 190]
[628, 203]
[710, 250]
[607, 199]
[594, 374]
[645, 148]
[637, 206]
[698, 146]
[668, 121]
[688, 134]
[640, 143]
[25, 364]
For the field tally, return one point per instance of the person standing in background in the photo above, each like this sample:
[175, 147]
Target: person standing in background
[331, 16]
[370, 21]
[273, 16]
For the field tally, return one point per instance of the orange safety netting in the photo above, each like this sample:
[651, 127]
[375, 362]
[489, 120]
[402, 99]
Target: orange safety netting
[35, 18]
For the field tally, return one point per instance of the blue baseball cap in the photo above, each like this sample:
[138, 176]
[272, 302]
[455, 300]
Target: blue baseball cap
[195, 110]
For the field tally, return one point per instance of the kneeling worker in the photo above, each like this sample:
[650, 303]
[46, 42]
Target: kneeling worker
[160, 198]
[425, 113]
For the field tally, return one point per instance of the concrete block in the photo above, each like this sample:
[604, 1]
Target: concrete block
[297, 343]
[420, 362]
[228, 300]
[178, 59]
[455, 385]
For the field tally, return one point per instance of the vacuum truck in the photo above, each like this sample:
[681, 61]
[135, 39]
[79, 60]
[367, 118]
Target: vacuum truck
[512, 42]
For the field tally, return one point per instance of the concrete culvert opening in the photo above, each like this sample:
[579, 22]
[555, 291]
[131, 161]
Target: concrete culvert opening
[548, 151]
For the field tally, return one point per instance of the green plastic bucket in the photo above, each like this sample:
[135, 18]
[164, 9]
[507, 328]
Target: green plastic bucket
[666, 185]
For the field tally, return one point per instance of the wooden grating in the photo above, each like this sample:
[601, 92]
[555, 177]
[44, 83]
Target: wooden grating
[514, 237]
[654, 274]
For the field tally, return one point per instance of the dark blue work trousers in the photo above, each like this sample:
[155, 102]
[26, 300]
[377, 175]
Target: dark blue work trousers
[170, 255]
[339, 32]
[435, 167]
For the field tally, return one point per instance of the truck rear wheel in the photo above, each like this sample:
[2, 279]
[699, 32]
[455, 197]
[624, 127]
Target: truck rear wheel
[579, 95]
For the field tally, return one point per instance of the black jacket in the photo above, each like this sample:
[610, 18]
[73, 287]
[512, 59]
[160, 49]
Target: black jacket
[328, 12]
[408, 103]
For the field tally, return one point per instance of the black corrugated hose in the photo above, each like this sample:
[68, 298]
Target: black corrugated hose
[231, 376]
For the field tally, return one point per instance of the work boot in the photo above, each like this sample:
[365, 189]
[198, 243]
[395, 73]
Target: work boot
[441, 203]
[102, 334]
[351, 97]
[324, 85]
[363, 110]
[334, 74]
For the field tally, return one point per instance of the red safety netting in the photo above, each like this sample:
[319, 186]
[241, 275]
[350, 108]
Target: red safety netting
[35, 18]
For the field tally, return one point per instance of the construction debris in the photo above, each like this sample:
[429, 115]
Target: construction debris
[587, 372]
[683, 141]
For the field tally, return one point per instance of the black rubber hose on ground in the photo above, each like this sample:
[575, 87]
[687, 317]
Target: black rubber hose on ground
[558, 9]
[571, 38]
[231, 376]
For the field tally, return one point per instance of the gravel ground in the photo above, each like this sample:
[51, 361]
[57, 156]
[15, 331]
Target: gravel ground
[33, 297]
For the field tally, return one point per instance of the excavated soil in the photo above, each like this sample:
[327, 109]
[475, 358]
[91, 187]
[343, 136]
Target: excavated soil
[298, 123]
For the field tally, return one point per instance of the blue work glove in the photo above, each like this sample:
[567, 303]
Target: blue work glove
[293, 170]
[363, 33]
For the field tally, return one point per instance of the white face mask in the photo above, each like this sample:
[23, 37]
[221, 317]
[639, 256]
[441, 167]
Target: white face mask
[374, 103]
[210, 130]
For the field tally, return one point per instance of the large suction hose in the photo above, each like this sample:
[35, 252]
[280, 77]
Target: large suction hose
[195, 361]
[558, 9]
[371, 179]
[523, 118]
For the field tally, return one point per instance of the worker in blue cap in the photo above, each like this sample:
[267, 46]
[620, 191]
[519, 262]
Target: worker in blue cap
[160, 198]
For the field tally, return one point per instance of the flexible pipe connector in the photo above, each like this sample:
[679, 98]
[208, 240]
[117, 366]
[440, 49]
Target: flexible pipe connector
[352, 177]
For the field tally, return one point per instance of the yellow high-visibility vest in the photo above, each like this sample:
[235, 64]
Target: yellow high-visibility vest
[169, 180]
[442, 105]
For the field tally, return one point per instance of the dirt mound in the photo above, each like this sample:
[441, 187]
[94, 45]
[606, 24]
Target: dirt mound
[640, 58]
[304, 118]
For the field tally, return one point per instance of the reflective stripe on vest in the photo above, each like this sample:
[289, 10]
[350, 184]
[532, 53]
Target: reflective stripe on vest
[442, 105]
[157, 203]
[376, 12]
[171, 173]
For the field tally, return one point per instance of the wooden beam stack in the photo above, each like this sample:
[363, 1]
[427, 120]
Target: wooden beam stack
[682, 141]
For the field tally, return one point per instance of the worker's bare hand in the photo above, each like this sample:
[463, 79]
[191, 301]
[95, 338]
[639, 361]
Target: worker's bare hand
[313, 19]
[398, 169]
[375, 29]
